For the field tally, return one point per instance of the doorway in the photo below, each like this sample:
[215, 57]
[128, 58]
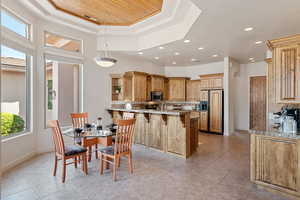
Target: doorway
[62, 91]
[258, 101]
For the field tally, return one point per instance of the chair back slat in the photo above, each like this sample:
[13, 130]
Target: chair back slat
[127, 115]
[57, 137]
[125, 130]
[79, 119]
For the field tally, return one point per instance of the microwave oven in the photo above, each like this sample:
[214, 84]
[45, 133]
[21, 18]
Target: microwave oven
[156, 96]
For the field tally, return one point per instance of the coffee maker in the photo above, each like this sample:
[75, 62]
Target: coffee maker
[291, 119]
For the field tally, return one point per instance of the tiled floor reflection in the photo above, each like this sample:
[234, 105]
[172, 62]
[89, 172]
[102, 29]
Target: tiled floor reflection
[218, 171]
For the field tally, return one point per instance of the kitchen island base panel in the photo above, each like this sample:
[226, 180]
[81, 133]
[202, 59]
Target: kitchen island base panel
[166, 133]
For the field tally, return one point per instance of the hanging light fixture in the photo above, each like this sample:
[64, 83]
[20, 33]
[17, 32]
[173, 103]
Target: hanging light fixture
[106, 60]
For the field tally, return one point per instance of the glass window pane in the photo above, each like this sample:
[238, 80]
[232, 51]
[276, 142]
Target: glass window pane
[14, 24]
[62, 91]
[67, 44]
[14, 91]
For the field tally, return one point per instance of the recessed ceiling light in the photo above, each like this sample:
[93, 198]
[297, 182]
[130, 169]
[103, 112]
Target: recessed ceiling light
[248, 29]
[193, 59]
[176, 53]
[200, 48]
[258, 42]
[140, 53]
[174, 63]
[187, 41]
[215, 55]
[251, 58]
[161, 47]
[156, 58]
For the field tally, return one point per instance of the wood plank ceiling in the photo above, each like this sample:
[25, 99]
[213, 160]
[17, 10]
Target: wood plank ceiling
[110, 12]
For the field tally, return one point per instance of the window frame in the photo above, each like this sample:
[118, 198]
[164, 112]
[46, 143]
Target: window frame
[64, 37]
[28, 99]
[20, 19]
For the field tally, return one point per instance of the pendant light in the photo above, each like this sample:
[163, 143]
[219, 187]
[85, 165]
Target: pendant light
[106, 60]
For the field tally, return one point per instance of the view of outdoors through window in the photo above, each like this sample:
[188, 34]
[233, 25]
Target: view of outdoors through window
[62, 91]
[14, 91]
[14, 24]
[67, 44]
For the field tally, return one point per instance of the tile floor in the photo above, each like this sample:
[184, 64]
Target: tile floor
[218, 171]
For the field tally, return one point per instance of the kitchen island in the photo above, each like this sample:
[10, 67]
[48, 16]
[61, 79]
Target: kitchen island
[275, 161]
[168, 131]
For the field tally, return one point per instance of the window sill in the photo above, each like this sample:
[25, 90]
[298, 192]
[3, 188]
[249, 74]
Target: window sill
[22, 134]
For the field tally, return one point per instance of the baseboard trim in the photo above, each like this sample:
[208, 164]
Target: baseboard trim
[18, 162]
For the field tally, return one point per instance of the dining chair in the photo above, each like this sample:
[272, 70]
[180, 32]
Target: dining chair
[78, 121]
[127, 115]
[65, 152]
[122, 147]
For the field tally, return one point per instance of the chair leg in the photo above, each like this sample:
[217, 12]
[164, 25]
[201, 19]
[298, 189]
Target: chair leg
[119, 161]
[96, 151]
[84, 163]
[55, 166]
[130, 167]
[115, 168]
[64, 170]
[101, 163]
[75, 162]
[90, 153]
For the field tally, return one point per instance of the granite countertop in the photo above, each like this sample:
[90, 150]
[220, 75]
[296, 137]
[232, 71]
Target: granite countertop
[162, 112]
[276, 133]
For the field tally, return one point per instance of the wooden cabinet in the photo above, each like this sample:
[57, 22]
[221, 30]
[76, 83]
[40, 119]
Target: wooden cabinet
[216, 111]
[156, 135]
[204, 84]
[211, 81]
[116, 87]
[155, 83]
[216, 83]
[135, 86]
[194, 131]
[193, 90]
[275, 163]
[286, 60]
[203, 121]
[176, 134]
[177, 88]
[141, 129]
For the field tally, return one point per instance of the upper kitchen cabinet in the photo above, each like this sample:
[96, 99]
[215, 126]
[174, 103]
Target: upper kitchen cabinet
[193, 88]
[177, 88]
[116, 87]
[286, 61]
[155, 83]
[135, 86]
[211, 81]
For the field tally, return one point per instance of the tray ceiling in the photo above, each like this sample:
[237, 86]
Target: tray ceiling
[110, 12]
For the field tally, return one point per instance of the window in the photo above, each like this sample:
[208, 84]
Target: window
[67, 44]
[62, 91]
[15, 88]
[14, 23]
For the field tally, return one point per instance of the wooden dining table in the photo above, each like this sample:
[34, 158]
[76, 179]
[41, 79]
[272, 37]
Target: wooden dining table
[92, 137]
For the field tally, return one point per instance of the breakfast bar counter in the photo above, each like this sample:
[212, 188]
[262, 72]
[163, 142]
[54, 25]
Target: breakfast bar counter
[168, 131]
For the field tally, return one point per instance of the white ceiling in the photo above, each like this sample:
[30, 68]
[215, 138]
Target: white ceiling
[219, 29]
